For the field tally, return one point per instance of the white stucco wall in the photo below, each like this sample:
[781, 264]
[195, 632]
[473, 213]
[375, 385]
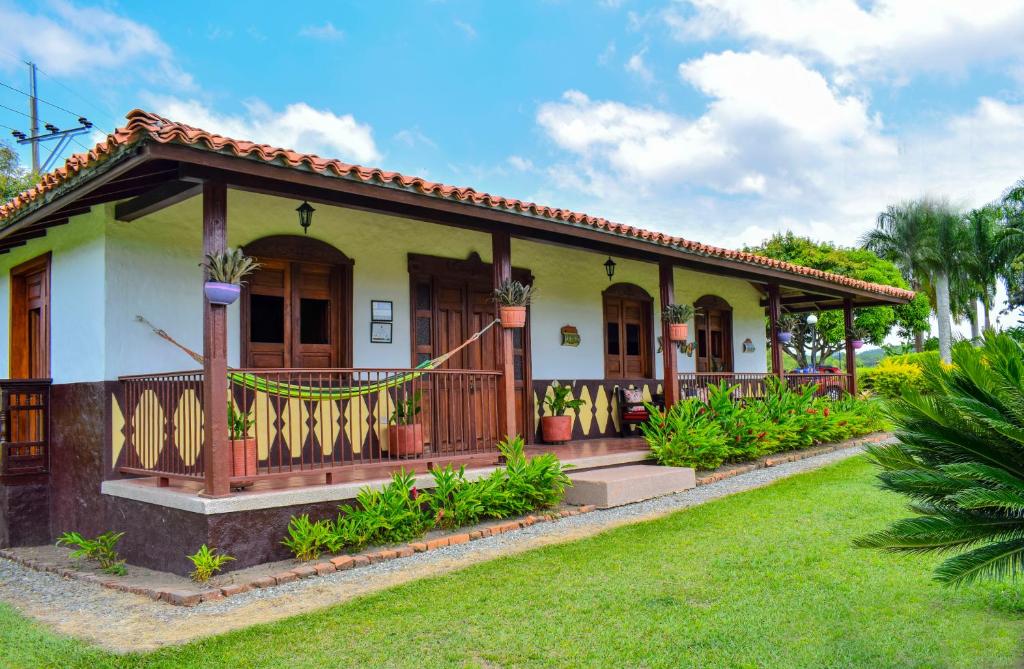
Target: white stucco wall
[76, 303]
[106, 272]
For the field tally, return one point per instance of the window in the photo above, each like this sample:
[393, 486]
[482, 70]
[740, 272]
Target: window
[30, 319]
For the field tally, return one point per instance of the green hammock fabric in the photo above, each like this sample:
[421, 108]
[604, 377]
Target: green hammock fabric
[291, 390]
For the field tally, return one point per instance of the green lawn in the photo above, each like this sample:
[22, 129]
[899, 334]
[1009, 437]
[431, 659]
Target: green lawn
[762, 579]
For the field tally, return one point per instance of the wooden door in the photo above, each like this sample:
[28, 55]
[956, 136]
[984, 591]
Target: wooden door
[627, 337]
[713, 324]
[30, 320]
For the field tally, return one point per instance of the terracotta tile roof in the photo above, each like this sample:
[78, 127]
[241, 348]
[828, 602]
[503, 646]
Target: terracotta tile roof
[146, 126]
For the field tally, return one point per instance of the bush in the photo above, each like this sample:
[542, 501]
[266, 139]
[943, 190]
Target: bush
[685, 436]
[959, 459]
[102, 549]
[206, 562]
[306, 539]
[892, 375]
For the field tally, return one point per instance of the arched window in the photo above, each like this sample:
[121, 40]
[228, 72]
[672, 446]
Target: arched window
[297, 308]
[714, 334]
[627, 332]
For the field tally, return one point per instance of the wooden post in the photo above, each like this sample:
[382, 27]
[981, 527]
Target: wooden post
[774, 314]
[501, 252]
[851, 353]
[216, 456]
[666, 279]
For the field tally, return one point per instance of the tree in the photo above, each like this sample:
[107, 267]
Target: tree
[960, 460]
[13, 178]
[1011, 244]
[986, 260]
[872, 323]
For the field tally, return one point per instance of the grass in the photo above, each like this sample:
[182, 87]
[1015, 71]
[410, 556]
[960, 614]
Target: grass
[761, 579]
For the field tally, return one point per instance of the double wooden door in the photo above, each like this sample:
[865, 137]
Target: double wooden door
[30, 320]
[627, 337]
[713, 338]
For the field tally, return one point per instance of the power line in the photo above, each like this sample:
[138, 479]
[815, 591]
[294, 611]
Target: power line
[45, 102]
[78, 95]
[16, 111]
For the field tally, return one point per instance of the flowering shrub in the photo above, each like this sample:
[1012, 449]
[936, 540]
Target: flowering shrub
[892, 375]
[703, 435]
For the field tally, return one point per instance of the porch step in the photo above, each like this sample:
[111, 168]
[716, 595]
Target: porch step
[616, 486]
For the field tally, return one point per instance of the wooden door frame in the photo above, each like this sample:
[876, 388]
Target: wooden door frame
[629, 291]
[299, 249]
[427, 269]
[17, 318]
[716, 303]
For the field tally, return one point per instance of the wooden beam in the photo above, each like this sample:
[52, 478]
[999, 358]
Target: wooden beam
[501, 261]
[774, 313]
[164, 195]
[851, 353]
[670, 367]
[216, 449]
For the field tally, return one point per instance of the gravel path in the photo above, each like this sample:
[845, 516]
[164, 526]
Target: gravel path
[123, 622]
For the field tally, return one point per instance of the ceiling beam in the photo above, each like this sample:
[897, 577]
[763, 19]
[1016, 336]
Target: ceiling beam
[164, 195]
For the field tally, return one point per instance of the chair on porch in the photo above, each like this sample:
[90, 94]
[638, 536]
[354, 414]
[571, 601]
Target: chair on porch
[632, 408]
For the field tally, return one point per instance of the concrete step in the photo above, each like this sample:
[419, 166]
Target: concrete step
[616, 486]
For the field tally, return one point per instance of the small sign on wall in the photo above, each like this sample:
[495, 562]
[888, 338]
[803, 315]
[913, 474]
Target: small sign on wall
[748, 346]
[380, 332]
[570, 336]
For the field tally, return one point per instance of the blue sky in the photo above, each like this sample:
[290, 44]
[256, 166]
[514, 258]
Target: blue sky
[721, 120]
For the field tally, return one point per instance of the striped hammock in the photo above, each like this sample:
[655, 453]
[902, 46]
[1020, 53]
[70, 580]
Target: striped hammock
[291, 390]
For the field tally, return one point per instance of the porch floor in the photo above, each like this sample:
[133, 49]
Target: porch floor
[309, 488]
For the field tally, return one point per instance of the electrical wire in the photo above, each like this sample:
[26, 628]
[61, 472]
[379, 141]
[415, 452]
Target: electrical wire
[45, 102]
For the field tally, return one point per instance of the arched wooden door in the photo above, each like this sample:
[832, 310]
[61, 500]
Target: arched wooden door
[713, 323]
[297, 308]
[628, 339]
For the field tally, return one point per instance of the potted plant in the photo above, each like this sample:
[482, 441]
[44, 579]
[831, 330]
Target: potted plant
[857, 335]
[244, 453]
[785, 336]
[405, 434]
[512, 298]
[677, 316]
[557, 427]
[225, 271]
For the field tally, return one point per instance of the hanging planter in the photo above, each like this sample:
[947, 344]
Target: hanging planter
[218, 292]
[677, 315]
[857, 343]
[512, 298]
[785, 337]
[225, 271]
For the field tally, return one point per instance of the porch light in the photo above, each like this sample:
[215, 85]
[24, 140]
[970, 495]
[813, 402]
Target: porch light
[305, 216]
[609, 267]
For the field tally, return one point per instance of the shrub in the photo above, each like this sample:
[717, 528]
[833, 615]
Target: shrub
[206, 562]
[393, 513]
[306, 539]
[686, 435]
[528, 483]
[892, 375]
[454, 501]
[102, 549]
[959, 459]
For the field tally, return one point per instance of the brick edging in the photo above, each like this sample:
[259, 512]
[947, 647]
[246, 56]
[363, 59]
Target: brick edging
[789, 456]
[181, 597]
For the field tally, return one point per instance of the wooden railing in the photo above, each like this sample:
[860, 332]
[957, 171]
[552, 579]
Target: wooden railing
[306, 420]
[752, 384]
[24, 426]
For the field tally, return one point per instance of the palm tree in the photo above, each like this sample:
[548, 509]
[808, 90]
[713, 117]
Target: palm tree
[960, 459]
[943, 254]
[985, 258]
[899, 237]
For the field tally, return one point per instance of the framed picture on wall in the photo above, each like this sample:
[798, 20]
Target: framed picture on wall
[381, 310]
[380, 332]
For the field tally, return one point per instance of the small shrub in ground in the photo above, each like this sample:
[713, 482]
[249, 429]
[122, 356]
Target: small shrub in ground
[389, 515]
[454, 501]
[686, 435]
[102, 550]
[306, 539]
[892, 375]
[206, 562]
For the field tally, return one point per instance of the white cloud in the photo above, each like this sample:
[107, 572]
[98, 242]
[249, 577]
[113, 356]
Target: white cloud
[299, 127]
[521, 164]
[325, 32]
[86, 41]
[413, 137]
[466, 28]
[637, 66]
[891, 36]
[776, 147]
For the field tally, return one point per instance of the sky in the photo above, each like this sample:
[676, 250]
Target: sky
[723, 121]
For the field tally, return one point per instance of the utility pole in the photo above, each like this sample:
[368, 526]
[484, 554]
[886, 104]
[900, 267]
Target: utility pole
[33, 111]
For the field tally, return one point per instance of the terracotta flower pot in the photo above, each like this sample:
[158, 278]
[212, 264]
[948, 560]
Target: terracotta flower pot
[512, 317]
[244, 457]
[678, 331]
[221, 293]
[405, 440]
[857, 343]
[556, 429]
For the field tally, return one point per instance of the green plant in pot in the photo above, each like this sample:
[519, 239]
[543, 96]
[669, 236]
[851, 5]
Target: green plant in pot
[513, 297]
[225, 273]
[556, 427]
[405, 432]
[678, 316]
[244, 452]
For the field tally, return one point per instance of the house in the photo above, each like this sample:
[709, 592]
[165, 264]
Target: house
[109, 426]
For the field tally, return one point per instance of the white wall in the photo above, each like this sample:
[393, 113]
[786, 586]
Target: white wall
[106, 272]
[76, 303]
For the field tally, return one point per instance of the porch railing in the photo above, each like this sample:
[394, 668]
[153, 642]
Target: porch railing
[24, 426]
[752, 384]
[307, 420]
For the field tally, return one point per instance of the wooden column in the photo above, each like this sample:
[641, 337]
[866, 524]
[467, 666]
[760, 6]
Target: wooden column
[851, 353]
[501, 259]
[216, 453]
[774, 314]
[666, 279]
